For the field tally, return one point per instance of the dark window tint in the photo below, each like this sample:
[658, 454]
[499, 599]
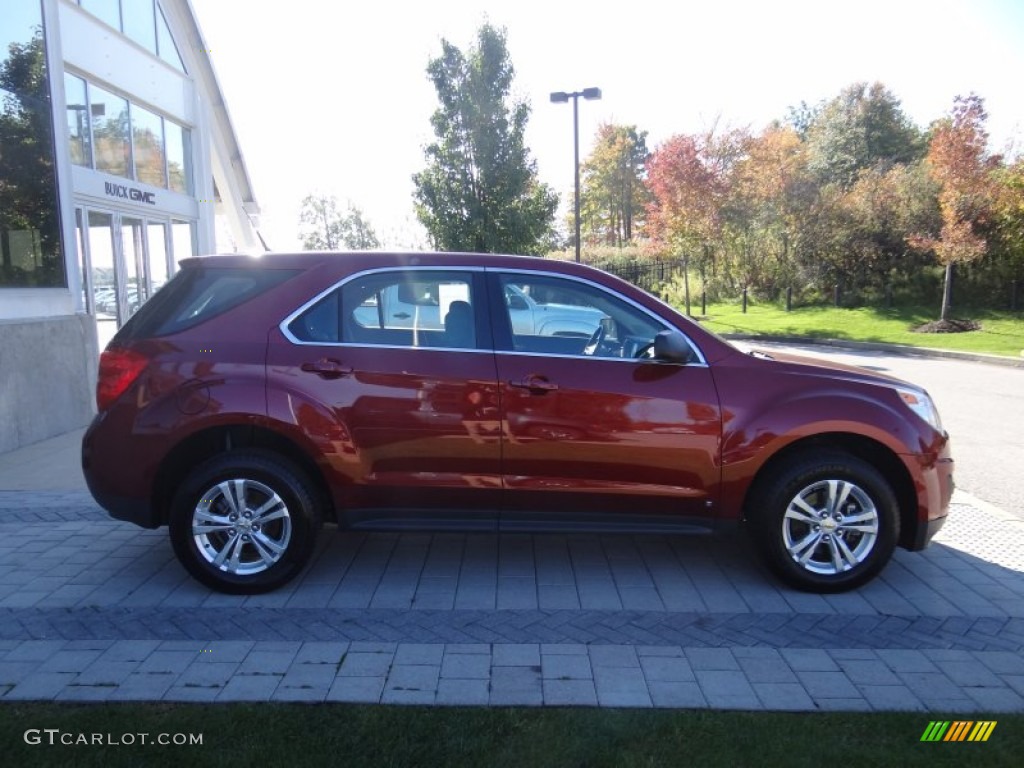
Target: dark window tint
[197, 294]
[319, 323]
[410, 309]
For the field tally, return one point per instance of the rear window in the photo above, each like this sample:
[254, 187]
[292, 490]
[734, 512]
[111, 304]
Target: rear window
[197, 294]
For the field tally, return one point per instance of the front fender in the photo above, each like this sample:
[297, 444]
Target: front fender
[752, 437]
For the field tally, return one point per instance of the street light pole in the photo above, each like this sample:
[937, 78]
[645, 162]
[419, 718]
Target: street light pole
[561, 97]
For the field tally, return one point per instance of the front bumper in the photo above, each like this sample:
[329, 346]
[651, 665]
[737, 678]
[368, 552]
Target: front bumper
[933, 477]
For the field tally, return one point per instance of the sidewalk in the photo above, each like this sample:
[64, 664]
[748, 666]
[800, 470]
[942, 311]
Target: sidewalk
[94, 609]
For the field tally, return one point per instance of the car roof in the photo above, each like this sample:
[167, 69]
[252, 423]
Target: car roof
[359, 260]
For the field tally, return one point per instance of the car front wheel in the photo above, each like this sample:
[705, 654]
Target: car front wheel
[244, 522]
[825, 522]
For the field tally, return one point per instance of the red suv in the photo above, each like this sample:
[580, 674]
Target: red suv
[253, 398]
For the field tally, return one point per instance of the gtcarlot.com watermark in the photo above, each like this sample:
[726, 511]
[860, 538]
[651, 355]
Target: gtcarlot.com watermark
[55, 737]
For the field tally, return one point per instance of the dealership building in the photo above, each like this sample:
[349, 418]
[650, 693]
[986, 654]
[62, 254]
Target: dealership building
[117, 160]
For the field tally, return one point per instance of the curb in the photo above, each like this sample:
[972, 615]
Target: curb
[875, 346]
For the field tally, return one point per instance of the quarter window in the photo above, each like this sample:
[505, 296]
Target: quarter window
[433, 309]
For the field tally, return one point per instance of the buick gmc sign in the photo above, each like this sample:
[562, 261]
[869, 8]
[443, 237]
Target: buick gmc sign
[129, 193]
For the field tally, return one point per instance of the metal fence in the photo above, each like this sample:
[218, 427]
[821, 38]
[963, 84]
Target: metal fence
[647, 275]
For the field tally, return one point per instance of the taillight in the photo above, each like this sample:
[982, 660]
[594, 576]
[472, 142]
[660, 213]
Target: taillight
[118, 369]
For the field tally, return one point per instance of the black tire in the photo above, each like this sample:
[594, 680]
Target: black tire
[849, 546]
[263, 551]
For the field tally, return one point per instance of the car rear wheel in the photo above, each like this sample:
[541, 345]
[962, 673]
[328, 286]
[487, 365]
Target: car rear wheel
[244, 522]
[825, 522]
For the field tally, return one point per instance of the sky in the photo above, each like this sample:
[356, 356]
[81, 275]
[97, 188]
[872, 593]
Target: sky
[333, 98]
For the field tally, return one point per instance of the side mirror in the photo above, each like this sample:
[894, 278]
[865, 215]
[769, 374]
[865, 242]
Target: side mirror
[672, 347]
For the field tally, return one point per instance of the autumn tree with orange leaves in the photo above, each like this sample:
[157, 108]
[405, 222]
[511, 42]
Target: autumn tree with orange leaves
[689, 178]
[958, 162]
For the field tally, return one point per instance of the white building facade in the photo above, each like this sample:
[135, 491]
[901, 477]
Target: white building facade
[116, 156]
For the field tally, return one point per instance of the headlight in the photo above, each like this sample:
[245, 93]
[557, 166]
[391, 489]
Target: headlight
[920, 403]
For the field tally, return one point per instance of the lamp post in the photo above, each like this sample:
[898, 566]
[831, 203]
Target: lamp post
[562, 97]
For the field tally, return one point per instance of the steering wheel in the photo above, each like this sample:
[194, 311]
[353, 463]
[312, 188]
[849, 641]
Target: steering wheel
[646, 350]
[595, 340]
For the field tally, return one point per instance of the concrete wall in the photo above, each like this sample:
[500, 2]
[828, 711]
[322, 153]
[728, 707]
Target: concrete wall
[47, 377]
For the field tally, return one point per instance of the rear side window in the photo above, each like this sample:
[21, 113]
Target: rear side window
[392, 308]
[198, 294]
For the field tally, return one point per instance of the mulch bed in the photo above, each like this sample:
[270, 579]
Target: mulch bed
[948, 326]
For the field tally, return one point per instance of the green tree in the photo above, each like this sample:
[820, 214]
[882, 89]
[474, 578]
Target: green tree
[1007, 243]
[863, 127]
[613, 195]
[764, 205]
[30, 242]
[479, 191]
[326, 227]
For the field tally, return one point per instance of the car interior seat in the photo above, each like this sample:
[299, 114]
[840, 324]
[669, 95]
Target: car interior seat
[458, 326]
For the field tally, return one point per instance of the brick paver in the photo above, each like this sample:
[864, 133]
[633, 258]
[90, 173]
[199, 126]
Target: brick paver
[95, 610]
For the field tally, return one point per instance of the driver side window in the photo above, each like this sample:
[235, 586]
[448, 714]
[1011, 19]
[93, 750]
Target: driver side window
[559, 316]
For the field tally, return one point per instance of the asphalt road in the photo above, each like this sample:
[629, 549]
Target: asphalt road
[982, 408]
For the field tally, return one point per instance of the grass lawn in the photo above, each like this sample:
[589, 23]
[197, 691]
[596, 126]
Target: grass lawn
[1002, 333]
[352, 736]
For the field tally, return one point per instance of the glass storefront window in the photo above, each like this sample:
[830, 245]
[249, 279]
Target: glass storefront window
[140, 22]
[30, 237]
[183, 241]
[159, 152]
[110, 132]
[103, 275]
[166, 48]
[80, 235]
[157, 236]
[179, 150]
[108, 11]
[77, 120]
[148, 148]
[134, 249]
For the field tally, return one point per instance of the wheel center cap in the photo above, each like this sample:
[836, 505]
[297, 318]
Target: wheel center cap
[828, 525]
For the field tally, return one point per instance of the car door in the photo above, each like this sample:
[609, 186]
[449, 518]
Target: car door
[405, 420]
[595, 431]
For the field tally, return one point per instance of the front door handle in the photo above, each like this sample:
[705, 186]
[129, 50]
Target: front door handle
[535, 383]
[327, 368]
[402, 315]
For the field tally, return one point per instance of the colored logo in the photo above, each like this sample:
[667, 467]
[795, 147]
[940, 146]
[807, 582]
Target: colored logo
[958, 730]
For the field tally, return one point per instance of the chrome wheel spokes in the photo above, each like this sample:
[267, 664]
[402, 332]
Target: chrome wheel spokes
[830, 527]
[241, 526]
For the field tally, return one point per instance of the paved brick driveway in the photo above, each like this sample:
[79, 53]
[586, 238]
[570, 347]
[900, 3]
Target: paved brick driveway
[98, 610]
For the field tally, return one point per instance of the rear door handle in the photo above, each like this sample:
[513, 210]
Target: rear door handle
[327, 368]
[535, 383]
[402, 315]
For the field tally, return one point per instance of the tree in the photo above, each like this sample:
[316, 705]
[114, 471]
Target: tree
[28, 186]
[958, 162]
[765, 203]
[863, 127]
[613, 195]
[689, 178]
[327, 228]
[480, 191]
[879, 213]
[1008, 230]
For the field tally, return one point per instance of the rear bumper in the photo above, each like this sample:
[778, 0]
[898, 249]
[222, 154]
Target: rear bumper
[101, 473]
